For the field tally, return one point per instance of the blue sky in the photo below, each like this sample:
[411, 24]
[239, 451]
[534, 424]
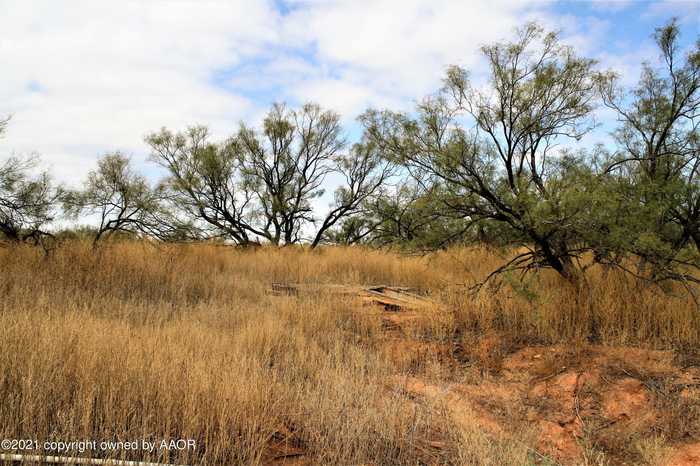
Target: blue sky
[82, 78]
[628, 25]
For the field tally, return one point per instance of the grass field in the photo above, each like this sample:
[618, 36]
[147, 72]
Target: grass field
[137, 341]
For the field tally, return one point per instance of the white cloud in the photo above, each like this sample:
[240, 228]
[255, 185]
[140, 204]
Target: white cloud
[611, 6]
[85, 77]
[687, 11]
[82, 78]
[396, 51]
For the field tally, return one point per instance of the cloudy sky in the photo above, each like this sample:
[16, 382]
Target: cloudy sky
[85, 77]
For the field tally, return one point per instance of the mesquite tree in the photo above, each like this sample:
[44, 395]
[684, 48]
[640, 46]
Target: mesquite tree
[657, 160]
[261, 184]
[493, 148]
[28, 202]
[123, 201]
[406, 216]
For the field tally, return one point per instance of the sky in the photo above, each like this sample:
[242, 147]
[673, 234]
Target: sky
[83, 78]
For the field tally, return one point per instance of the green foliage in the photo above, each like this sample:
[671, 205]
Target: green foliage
[124, 203]
[406, 217]
[504, 171]
[261, 185]
[491, 158]
[28, 200]
[654, 171]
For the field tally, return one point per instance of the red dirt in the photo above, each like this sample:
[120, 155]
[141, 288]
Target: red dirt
[571, 396]
[558, 390]
[686, 455]
[627, 398]
[561, 393]
[462, 411]
[557, 441]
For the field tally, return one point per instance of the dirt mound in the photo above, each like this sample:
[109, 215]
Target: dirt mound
[462, 410]
[633, 405]
[587, 398]
[626, 399]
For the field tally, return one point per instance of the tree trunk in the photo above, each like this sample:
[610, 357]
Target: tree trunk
[558, 258]
[570, 271]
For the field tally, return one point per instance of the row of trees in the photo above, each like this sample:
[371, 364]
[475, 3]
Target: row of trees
[255, 186]
[495, 163]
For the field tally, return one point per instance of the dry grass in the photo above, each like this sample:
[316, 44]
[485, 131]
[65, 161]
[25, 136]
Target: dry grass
[613, 309]
[168, 342]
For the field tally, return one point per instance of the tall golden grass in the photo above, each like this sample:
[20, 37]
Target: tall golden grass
[137, 341]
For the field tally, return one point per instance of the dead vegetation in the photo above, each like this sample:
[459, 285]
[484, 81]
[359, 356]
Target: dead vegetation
[352, 357]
